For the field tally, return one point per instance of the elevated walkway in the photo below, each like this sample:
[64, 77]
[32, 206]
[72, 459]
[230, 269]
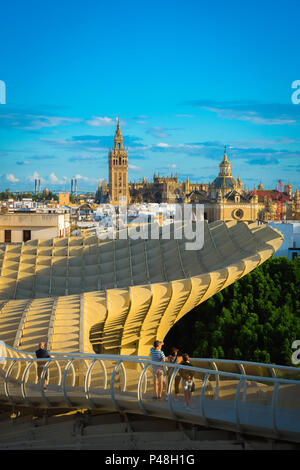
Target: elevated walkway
[241, 397]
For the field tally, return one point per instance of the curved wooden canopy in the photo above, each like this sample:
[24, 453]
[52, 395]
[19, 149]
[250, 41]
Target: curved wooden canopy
[120, 294]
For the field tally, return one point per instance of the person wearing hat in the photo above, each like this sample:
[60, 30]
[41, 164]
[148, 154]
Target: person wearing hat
[157, 355]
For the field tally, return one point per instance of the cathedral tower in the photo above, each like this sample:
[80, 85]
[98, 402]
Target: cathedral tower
[118, 169]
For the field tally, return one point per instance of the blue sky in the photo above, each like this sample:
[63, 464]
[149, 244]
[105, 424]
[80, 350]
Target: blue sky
[185, 78]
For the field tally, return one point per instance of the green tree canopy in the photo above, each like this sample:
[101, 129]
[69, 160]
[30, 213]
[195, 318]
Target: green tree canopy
[255, 319]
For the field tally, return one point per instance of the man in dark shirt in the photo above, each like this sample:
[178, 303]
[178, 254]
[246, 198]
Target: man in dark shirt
[42, 353]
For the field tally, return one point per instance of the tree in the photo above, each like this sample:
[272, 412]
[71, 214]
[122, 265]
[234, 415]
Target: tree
[254, 319]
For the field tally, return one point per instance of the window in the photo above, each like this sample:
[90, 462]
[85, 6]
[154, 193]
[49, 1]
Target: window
[26, 235]
[238, 214]
[7, 236]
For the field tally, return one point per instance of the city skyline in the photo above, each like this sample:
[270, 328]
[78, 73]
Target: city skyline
[184, 79]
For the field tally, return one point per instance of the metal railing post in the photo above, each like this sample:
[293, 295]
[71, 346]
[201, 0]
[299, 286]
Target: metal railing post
[202, 397]
[236, 404]
[24, 395]
[140, 382]
[274, 402]
[87, 384]
[69, 364]
[42, 378]
[6, 381]
[169, 393]
[112, 383]
[217, 377]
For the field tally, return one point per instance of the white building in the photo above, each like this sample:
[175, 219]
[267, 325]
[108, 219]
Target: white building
[21, 227]
[291, 244]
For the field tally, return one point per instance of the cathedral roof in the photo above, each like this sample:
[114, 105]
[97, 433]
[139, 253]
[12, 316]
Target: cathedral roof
[231, 196]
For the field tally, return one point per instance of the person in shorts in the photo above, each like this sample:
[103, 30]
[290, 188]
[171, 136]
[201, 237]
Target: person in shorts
[187, 377]
[157, 355]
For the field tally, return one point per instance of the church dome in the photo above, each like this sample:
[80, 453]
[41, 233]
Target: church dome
[225, 180]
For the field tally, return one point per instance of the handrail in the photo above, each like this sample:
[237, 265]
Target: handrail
[168, 364]
[92, 396]
[202, 359]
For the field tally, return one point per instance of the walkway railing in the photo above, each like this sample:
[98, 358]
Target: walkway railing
[240, 396]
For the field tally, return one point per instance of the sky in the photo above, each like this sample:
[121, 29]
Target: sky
[185, 78]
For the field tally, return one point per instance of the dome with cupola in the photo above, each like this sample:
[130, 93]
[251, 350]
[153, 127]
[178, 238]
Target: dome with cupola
[225, 180]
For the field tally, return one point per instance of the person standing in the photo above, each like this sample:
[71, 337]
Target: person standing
[42, 353]
[157, 355]
[187, 380]
[174, 358]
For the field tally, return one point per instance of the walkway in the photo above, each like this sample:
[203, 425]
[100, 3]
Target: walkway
[250, 398]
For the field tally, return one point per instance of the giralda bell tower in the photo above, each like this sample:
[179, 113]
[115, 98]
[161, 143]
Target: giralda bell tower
[118, 169]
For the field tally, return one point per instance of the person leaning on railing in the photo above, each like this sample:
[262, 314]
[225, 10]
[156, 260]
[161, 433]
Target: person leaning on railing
[158, 371]
[42, 353]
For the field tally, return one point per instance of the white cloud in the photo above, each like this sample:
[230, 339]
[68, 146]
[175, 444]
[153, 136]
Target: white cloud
[33, 122]
[157, 131]
[98, 121]
[86, 179]
[55, 180]
[249, 116]
[35, 176]
[39, 122]
[162, 144]
[10, 177]
[134, 167]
